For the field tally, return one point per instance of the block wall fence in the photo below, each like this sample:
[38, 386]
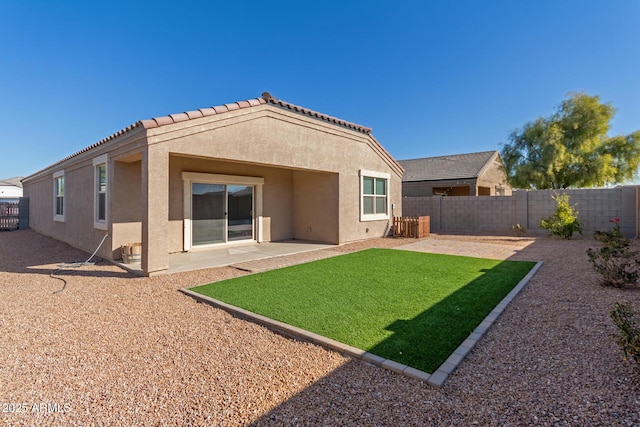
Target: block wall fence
[497, 214]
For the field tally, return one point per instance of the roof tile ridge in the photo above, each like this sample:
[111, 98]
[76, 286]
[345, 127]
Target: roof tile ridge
[159, 121]
[272, 100]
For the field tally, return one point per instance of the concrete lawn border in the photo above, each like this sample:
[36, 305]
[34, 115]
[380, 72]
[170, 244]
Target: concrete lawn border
[436, 379]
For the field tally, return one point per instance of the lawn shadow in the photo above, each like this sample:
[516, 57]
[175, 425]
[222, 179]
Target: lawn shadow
[428, 339]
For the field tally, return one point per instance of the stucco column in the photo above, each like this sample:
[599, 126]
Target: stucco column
[155, 210]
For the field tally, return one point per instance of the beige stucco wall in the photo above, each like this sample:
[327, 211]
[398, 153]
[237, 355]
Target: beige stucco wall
[495, 175]
[267, 135]
[270, 136]
[315, 202]
[126, 209]
[277, 195]
[77, 228]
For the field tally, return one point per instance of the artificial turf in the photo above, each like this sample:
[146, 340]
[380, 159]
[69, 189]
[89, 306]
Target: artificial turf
[410, 307]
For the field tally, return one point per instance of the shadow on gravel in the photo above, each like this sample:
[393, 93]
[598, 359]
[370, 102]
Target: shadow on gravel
[361, 394]
[27, 252]
[355, 394]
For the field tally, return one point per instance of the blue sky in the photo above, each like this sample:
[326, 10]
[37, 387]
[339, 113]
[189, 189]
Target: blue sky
[430, 77]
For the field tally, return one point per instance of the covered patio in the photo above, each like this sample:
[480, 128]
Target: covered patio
[231, 255]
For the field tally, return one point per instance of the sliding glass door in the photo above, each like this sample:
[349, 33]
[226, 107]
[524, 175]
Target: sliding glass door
[208, 213]
[240, 208]
[221, 213]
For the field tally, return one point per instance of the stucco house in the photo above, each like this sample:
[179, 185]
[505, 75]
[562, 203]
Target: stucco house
[257, 170]
[470, 174]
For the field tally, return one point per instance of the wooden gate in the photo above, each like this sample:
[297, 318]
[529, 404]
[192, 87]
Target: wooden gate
[417, 227]
[9, 216]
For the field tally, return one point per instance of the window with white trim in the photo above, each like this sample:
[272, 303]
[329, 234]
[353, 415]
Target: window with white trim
[374, 195]
[58, 196]
[101, 192]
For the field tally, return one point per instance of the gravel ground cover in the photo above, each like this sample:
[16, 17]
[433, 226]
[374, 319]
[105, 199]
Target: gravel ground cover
[107, 348]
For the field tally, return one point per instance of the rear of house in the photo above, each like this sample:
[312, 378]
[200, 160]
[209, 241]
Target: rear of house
[251, 171]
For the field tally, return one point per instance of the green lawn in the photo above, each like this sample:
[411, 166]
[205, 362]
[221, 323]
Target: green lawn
[414, 308]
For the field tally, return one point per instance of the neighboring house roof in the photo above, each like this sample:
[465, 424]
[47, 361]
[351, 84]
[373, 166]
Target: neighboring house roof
[210, 111]
[10, 188]
[16, 181]
[457, 166]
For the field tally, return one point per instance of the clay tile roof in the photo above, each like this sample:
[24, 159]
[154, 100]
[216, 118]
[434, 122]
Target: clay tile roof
[164, 120]
[148, 123]
[194, 114]
[457, 166]
[221, 109]
[180, 117]
[271, 100]
[207, 111]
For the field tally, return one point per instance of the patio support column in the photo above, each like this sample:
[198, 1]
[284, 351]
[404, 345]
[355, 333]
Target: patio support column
[155, 210]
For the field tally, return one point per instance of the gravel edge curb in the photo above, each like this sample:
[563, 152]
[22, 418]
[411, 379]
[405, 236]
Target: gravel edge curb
[436, 379]
[440, 375]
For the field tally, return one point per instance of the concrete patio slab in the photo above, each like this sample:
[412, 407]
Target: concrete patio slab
[221, 257]
[236, 255]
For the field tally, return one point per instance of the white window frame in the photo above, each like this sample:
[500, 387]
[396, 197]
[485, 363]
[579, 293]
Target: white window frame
[379, 175]
[56, 178]
[99, 161]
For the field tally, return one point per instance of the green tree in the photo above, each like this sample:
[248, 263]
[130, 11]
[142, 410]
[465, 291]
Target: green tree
[571, 148]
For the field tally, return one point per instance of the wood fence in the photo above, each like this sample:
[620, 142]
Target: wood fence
[9, 216]
[417, 227]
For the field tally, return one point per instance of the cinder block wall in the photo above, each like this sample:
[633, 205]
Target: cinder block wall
[497, 215]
